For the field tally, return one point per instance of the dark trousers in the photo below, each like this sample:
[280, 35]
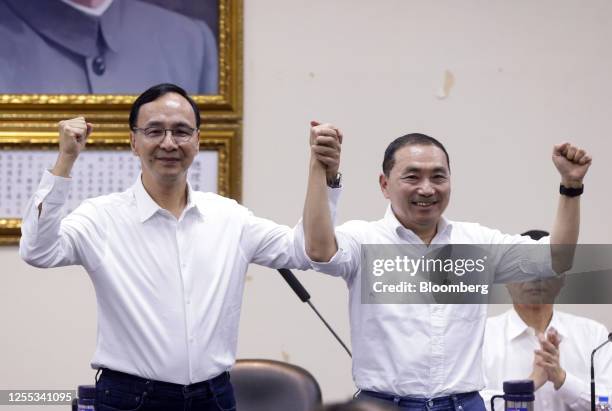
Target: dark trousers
[471, 401]
[119, 391]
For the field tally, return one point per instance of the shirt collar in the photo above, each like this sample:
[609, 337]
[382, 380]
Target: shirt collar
[94, 11]
[516, 325]
[444, 225]
[147, 207]
[86, 35]
[111, 22]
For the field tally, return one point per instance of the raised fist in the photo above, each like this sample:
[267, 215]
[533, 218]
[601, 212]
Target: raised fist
[572, 163]
[325, 141]
[73, 135]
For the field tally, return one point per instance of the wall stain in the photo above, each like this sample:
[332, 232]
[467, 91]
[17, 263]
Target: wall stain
[449, 83]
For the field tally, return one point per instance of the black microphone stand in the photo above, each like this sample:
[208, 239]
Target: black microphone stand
[303, 295]
[593, 371]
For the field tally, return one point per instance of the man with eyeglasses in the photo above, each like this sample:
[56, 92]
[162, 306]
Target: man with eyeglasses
[168, 263]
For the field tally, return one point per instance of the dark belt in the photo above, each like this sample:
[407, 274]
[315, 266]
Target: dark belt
[168, 387]
[409, 400]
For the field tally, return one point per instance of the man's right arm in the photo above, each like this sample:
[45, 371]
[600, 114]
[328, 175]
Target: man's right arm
[320, 241]
[42, 243]
[73, 135]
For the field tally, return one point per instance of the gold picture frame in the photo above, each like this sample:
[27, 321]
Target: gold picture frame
[29, 121]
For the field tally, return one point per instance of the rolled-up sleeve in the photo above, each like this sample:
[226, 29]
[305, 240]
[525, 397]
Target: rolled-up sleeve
[345, 262]
[519, 258]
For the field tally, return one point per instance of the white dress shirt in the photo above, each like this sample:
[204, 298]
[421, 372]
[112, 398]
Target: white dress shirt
[508, 355]
[169, 291]
[423, 350]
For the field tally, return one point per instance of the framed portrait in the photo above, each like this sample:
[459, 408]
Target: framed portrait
[91, 58]
[59, 54]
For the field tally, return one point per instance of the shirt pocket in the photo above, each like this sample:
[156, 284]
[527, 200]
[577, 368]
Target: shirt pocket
[467, 312]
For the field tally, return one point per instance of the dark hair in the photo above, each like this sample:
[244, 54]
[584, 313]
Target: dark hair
[156, 92]
[536, 234]
[413, 139]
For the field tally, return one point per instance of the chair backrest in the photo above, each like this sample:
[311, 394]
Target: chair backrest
[268, 385]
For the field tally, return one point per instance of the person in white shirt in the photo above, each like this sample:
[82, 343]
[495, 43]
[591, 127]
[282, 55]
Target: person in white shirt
[167, 263]
[422, 356]
[535, 341]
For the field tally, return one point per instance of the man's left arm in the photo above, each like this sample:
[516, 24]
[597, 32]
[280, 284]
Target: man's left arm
[572, 163]
[548, 357]
[573, 390]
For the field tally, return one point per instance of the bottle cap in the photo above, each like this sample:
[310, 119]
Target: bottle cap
[519, 390]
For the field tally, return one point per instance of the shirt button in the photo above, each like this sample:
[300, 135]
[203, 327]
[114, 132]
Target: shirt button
[430, 403]
[98, 65]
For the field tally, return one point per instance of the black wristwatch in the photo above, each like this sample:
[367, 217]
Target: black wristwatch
[571, 192]
[335, 182]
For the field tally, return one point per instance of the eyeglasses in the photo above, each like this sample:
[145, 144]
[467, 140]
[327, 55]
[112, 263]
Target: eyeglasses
[179, 134]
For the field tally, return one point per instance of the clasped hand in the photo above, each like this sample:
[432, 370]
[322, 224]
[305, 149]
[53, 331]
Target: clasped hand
[546, 362]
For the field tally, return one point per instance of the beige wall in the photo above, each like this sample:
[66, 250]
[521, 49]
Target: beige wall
[527, 74]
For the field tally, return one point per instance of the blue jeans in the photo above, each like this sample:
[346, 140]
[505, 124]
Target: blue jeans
[471, 401]
[116, 391]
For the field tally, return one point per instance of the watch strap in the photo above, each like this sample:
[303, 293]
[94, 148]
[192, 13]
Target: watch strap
[571, 191]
